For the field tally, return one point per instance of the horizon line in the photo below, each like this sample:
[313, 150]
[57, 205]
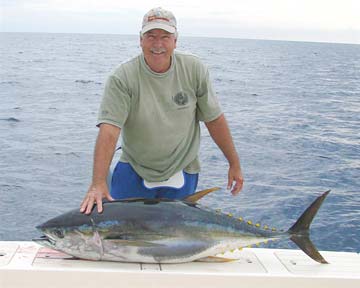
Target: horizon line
[189, 36]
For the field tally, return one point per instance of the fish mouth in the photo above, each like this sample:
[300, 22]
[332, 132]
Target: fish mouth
[45, 241]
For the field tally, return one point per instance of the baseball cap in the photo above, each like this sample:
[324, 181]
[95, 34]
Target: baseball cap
[159, 18]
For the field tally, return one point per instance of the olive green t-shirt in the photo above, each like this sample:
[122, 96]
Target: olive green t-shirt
[159, 114]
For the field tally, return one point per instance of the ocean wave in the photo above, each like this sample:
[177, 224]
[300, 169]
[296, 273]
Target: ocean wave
[87, 82]
[10, 119]
[9, 82]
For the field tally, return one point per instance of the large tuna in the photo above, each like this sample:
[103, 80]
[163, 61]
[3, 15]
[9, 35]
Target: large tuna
[165, 231]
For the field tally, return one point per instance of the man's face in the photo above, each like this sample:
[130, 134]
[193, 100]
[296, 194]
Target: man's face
[158, 46]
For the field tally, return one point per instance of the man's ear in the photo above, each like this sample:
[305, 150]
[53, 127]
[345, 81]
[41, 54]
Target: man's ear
[140, 39]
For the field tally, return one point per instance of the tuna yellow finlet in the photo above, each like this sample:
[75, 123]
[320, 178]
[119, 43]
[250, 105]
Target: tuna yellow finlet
[240, 219]
[230, 215]
[257, 225]
[249, 222]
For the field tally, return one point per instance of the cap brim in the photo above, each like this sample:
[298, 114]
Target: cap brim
[161, 26]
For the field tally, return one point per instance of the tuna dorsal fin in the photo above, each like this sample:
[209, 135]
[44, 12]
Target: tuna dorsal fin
[198, 195]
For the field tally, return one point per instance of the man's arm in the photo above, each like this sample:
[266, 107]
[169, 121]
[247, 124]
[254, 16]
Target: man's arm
[220, 133]
[103, 154]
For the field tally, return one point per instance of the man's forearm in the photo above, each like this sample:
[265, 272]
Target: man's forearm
[104, 151]
[220, 133]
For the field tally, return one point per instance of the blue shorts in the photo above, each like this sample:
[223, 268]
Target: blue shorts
[126, 183]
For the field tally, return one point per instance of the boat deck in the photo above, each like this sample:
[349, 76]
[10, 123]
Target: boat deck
[26, 264]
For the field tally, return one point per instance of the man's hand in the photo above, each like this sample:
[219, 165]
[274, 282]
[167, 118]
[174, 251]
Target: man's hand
[95, 195]
[235, 175]
[104, 152]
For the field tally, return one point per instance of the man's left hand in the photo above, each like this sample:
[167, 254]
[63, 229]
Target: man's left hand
[235, 175]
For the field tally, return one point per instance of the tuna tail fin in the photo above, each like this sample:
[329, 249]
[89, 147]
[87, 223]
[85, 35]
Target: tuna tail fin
[300, 230]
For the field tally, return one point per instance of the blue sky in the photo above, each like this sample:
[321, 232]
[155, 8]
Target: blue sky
[299, 20]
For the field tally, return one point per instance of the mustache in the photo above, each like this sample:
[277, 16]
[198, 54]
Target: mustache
[158, 50]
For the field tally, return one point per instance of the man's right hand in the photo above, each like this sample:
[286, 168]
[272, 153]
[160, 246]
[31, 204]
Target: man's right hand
[95, 195]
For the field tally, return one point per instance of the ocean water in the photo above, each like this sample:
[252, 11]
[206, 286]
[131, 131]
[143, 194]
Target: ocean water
[293, 109]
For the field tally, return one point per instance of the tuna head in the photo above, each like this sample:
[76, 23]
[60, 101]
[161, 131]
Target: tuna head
[72, 233]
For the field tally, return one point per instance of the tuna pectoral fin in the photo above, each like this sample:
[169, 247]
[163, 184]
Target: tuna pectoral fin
[299, 232]
[135, 243]
[198, 195]
[215, 259]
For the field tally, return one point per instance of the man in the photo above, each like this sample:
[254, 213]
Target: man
[156, 101]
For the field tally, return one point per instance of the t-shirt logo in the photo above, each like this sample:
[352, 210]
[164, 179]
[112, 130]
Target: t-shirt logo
[105, 113]
[181, 98]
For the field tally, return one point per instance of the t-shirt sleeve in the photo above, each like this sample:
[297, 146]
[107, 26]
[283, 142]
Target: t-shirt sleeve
[115, 105]
[208, 107]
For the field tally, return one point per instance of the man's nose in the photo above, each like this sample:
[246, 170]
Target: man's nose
[158, 42]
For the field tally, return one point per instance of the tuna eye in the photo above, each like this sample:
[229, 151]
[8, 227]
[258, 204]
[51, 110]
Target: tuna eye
[58, 233]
